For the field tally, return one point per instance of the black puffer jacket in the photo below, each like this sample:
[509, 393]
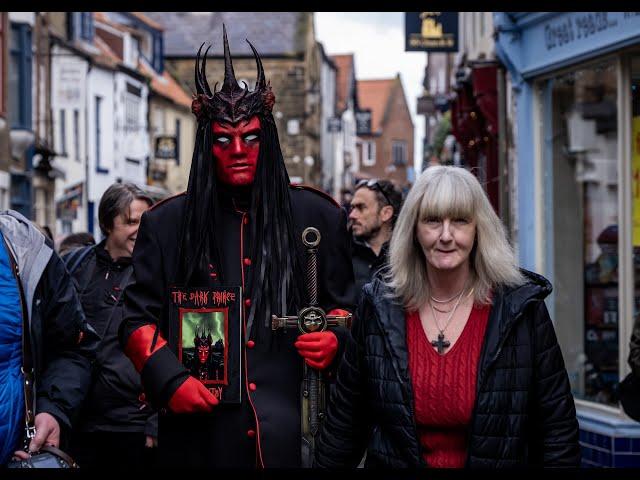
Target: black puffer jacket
[524, 413]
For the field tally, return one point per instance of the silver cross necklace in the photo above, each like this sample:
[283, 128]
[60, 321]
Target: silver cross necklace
[443, 343]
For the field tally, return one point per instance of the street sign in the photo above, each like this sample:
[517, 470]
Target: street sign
[426, 105]
[166, 147]
[363, 122]
[334, 124]
[431, 31]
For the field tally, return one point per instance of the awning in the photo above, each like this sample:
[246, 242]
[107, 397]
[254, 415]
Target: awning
[484, 78]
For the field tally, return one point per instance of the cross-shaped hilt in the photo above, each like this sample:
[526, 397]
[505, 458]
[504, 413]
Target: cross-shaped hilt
[311, 318]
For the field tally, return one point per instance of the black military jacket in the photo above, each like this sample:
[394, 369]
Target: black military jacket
[264, 431]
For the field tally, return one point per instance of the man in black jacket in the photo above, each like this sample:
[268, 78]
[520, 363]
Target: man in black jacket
[34, 283]
[374, 209]
[115, 423]
[239, 224]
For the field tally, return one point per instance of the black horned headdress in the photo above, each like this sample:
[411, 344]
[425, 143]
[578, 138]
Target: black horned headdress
[232, 102]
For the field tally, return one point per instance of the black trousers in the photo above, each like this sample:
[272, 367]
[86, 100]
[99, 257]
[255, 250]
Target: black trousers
[112, 450]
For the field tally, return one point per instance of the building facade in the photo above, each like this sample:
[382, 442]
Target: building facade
[386, 146]
[328, 126]
[346, 163]
[575, 78]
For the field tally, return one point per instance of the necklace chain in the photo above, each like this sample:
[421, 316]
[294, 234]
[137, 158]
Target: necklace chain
[453, 311]
[437, 300]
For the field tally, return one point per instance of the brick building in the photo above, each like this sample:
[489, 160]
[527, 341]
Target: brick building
[387, 150]
[287, 46]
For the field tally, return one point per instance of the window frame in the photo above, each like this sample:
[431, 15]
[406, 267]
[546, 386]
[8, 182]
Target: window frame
[545, 250]
[98, 132]
[368, 159]
[25, 66]
[63, 132]
[76, 135]
[405, 154]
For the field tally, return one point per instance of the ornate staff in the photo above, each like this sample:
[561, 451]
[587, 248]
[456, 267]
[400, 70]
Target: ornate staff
[311, 318]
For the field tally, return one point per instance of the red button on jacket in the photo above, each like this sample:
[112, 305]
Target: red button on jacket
[251, 433]
[252, 387]
[247, 261]
[247, 302]
[250, 344]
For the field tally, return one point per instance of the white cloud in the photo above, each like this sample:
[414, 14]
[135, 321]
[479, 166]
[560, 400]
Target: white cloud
[377, 41]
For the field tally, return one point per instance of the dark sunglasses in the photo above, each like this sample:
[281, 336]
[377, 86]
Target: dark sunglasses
[373, 184]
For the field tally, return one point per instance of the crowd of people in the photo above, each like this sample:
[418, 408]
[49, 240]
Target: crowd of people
[451, 361]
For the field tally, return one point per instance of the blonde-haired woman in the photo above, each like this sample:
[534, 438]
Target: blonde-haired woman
[455, 361]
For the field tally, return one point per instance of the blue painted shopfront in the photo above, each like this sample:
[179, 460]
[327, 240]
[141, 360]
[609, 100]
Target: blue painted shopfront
[535, 45]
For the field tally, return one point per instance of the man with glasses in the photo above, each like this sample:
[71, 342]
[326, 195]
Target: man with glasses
[374, 209]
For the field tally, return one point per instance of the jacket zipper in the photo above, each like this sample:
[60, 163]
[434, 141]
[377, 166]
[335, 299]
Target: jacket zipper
[405, 393]
[486, 371]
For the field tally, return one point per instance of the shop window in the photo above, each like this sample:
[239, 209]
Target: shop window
[581, 135]
[635, 182]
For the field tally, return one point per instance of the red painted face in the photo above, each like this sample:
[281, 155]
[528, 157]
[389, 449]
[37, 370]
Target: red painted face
[203, 353]
[235, 148]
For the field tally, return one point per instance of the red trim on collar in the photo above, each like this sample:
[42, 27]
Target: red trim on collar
[138, 347]
[300, 186]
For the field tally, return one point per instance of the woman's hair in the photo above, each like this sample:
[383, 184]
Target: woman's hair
[446, 191]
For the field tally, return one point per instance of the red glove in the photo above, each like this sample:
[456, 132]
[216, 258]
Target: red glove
[318, 348]
[192, 397]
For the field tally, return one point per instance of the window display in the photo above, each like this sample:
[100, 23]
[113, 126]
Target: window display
[582, 141]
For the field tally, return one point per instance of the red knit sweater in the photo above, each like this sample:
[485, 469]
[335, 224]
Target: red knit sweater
[444, 388]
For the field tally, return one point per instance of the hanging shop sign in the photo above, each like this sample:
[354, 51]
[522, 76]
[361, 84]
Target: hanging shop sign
[334, 125]
[431, 31]
[166, 147]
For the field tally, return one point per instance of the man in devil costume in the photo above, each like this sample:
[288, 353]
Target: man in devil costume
[239, 223]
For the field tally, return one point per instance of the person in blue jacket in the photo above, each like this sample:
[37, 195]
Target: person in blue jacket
[34, 283]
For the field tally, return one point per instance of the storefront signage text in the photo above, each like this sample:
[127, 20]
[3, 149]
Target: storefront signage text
[577, 27]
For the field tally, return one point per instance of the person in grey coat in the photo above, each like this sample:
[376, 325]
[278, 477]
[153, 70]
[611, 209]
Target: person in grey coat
[34, 283]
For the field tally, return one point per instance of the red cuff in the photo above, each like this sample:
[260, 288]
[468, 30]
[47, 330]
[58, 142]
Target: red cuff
[341, 313]
[138, 347]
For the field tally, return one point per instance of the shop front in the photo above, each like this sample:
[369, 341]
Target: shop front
[575, 80]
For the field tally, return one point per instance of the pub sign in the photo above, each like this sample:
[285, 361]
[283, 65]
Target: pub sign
[431, 31]
[166, 147]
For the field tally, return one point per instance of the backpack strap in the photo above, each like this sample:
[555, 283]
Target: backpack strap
[75, 258]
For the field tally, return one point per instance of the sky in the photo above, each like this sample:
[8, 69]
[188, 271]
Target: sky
[377, 41]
